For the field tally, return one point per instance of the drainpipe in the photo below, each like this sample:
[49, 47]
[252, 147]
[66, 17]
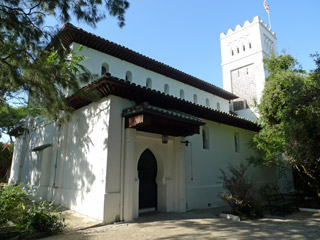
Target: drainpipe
[122, 171]
[56, 162]
[191, 161]
[29, 131]
[187, 142]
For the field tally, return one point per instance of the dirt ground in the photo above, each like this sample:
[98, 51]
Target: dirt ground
[202, 224]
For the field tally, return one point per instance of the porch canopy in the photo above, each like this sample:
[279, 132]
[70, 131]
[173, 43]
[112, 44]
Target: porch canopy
[148, 118]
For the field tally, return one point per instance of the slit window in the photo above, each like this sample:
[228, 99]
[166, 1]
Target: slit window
[181, 94]
[249, 45]
[129, 76]
[218, 106]
[238, 50]
[205, 138]
[236, 142]
[104, 68]
[195, 98]
[166, 89]
[149, 83]
[207, 102]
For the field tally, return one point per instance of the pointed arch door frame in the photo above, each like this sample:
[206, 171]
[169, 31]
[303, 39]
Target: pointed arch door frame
[147, 174]
[170, 172]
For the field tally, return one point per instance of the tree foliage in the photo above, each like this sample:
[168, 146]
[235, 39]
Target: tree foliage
[31, 67]
[18, 206]
[6, 151]
[290, 118]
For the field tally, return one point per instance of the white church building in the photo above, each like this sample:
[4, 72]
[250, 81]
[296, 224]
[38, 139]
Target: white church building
[157, 137]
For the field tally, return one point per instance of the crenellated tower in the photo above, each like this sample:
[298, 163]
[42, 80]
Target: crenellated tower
[242, 53]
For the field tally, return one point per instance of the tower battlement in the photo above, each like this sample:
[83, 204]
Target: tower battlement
[245, 25]
[242, 52]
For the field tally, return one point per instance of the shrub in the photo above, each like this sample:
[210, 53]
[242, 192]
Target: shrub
[11, 200]
[30, 216]
[41, 217]
[269, 189]
[240, 195]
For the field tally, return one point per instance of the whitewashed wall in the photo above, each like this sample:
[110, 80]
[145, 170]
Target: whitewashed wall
[83, 162]
[118, 68]
[125, 149]
[17, 158]
[176, 189]
[113, 197]
[96, 164]
[203, 165]
[43, 133]
[72, 172]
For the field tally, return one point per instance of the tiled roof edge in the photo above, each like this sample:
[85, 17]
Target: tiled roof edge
[144, 61]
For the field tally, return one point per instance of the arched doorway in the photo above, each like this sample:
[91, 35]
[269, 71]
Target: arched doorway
[147, 173]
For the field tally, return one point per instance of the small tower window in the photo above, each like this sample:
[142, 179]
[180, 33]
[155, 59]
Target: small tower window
[238, 50]
[218, 106]
[129, 76]
[207, 102]
[195, 98]
[166, 89]
[236, 142]
[149, 83]
[249, 45]
[181, 94]
[104, 68]
[205, 138]
[232, 53]
[244, 47]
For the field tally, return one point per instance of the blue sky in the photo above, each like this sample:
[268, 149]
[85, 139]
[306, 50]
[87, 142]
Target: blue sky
[185, 33]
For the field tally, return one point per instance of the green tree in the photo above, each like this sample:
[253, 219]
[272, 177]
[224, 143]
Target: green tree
[290, 119]
[29, 66]
[10, 117]
[6, 151]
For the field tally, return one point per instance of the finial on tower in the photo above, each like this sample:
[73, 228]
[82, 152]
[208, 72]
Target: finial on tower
[266, 7]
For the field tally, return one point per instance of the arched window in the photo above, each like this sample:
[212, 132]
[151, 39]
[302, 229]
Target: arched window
[195, 98]
[149, 83]
[218, 106]
[181, 94]
[104, 68]
[166, 89]
[129, 76]
[207, 102]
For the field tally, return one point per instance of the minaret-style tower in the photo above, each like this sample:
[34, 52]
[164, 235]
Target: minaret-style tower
[242, 52]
